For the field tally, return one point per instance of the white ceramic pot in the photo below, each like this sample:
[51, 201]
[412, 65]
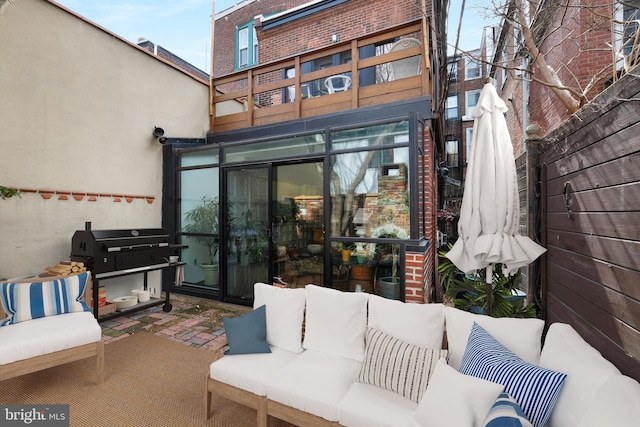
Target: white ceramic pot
[125, 302]
[141, 294]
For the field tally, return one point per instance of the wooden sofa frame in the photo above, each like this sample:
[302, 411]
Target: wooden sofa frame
[45, 361]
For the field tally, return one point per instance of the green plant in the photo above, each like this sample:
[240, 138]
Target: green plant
[469, 292]
[7, 193]
[204, 222]
[252, 236]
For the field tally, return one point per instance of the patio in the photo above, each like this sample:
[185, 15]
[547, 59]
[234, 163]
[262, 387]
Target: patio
[193, 321]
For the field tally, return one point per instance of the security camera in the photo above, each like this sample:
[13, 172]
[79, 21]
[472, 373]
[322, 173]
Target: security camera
[444, 171]
[159, 134]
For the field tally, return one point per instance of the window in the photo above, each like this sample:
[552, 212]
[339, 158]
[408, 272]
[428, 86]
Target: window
[451, 148]
[371, 170]
[505, 64]
[472, 69]
[625, 34]
[452, 68]
[247, 46]
[471, 99]
[469, 135]
[451, 108]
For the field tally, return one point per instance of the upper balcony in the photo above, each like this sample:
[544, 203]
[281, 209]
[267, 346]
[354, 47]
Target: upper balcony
[379, 68]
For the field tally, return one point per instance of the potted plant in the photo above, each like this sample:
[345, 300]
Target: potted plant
[468, 291]
[252, 239]
[204, 222]
[387, 254]
[7, 193]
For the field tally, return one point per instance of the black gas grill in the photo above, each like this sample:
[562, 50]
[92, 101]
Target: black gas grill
[105, 251]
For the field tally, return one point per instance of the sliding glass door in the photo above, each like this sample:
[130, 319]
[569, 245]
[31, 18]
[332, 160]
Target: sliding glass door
[297, 225]
[248, 248]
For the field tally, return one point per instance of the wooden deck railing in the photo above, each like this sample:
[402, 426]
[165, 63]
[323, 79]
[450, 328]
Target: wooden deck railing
[290, 88]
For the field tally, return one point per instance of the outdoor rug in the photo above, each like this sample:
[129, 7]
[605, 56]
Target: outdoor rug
[149, 381]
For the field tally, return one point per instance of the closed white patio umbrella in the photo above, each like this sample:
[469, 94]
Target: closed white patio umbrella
[490, 211]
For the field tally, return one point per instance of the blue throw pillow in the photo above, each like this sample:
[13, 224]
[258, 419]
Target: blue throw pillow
[535, 389]
[247, 334]
[27, 301]
[506, 413]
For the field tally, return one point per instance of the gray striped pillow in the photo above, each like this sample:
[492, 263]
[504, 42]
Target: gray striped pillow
[398, 366]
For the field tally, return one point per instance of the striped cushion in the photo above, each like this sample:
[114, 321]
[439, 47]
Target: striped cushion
[398, 366]
[535, 389]
[27, 301]
[506, 413]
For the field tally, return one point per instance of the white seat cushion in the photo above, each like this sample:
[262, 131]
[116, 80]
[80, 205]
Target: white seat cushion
[398, 320]
[370, 406]
[46, 335]
[315, 382]
[250, 372]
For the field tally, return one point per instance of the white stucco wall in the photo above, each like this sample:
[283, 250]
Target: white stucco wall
[78, 106]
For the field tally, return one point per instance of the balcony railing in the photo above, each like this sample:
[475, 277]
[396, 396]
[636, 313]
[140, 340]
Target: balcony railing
[384, 67]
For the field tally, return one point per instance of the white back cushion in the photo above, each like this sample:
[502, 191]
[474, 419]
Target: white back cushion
[617, 403]
[564, 350]
[417, 324]
[336, 322]
[521, 336]
[285, 314]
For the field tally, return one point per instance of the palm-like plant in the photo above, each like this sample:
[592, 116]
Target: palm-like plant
[203, 221]
[468, 292]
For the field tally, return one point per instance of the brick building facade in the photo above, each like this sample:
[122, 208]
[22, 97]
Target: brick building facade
[285, 29]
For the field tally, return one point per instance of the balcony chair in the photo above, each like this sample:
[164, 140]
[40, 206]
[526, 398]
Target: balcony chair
[338, 83]
[407, 67]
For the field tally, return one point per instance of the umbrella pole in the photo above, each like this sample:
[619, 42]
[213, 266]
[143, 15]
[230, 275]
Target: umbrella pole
[489, 287]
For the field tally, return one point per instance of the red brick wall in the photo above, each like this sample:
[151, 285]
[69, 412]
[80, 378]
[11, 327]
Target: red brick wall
[420, 267]
[348, 20]
[577, 50]
[225, 30]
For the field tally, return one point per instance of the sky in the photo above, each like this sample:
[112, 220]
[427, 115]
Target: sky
[184, 27]
[474, 19]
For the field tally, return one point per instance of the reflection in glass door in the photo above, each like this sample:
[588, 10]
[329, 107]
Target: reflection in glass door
[247, 224]
[297, 227]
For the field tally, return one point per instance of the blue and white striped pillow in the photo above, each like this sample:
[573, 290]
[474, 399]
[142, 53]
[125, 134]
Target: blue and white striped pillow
[506, 413]
[535, 389]
[398, 366]
[27, 301]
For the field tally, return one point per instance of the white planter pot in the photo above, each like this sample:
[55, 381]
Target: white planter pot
[211, 274]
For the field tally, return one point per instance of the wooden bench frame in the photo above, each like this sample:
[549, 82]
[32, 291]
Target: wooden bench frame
[45, 361]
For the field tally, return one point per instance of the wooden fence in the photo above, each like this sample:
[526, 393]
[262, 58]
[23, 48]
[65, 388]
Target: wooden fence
[591, 223]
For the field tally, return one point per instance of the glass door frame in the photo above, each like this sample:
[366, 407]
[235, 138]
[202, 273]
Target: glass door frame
[224, 271]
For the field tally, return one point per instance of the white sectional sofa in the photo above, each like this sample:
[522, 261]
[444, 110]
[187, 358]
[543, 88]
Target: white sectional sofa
[321, 357]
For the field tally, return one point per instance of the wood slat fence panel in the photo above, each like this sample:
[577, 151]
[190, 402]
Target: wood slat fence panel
[591, 193]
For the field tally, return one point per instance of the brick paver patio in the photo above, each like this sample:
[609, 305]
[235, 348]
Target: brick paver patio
[192, 321]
